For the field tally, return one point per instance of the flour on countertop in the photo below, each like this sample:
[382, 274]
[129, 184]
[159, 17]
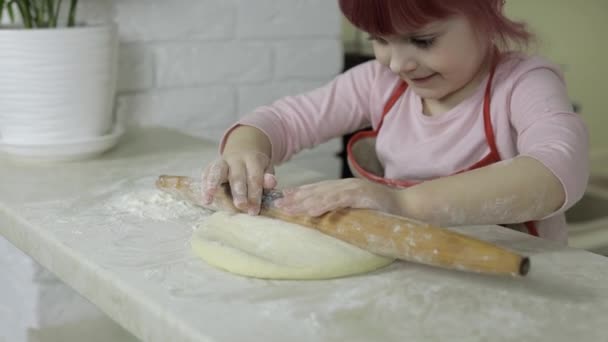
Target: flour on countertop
[156, 205]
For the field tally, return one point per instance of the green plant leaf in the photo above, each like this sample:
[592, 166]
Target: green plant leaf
[50, 13]
[56, 13]
[72, 15]
[10, 10]
[24, 10]
[1, 9]
[33, 8]
[38, 13]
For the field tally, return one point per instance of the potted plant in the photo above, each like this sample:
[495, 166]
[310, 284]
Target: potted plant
[57, 81]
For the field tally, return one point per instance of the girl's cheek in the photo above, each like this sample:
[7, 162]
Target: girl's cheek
[382, 54]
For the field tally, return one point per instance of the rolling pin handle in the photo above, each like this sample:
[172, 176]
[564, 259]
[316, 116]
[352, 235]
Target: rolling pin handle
[524, 266]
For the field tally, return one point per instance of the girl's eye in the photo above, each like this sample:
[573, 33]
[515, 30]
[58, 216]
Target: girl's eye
[379, 40]
[423, 43]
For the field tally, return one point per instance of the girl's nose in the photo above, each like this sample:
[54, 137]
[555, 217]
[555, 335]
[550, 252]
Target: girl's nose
[402, 62]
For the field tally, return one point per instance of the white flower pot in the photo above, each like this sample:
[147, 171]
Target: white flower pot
[57, 85]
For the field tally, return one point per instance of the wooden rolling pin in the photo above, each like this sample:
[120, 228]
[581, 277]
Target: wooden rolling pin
[380, 233]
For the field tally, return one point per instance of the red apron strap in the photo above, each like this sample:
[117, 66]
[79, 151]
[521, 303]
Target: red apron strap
[487, 119]
[532, 230]
[395, 95]
[397, 92]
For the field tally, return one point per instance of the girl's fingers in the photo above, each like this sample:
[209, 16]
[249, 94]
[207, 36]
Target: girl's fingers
[270, 181]
[237, 176]
[295, 201]
[328, 202]
[245, 174]
[317, 199]
[213, 176]
[255, 180]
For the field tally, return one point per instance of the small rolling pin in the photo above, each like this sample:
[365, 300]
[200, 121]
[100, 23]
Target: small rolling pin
[380, 233]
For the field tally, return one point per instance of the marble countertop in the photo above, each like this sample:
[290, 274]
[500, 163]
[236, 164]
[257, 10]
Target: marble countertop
[103, 229]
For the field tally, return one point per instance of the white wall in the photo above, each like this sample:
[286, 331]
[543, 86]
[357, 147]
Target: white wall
[572, 33]
[197, 65]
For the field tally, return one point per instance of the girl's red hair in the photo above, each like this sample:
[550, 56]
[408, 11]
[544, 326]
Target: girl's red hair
[390, 17]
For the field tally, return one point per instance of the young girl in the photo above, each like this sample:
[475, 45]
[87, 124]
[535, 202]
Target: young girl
[465, 129]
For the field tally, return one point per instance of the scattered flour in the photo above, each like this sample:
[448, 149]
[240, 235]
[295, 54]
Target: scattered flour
[156, 205]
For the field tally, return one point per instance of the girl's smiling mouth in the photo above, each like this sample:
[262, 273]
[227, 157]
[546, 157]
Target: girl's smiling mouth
[423, 79]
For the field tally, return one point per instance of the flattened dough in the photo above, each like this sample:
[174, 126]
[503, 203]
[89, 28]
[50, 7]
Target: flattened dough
[261, 247]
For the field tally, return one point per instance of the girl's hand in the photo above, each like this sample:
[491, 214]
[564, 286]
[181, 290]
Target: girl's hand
[319, 198]
[247, 172]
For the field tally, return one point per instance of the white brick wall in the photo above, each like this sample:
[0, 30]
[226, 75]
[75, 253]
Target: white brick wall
[197, 65]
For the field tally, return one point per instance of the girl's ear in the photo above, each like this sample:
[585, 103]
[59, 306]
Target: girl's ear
[487, 39]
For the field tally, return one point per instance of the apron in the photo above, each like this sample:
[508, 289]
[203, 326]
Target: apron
[361, 148]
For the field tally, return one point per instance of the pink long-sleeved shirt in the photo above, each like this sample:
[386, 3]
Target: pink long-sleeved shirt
[530, 110]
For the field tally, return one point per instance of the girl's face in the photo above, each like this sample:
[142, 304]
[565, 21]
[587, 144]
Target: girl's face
[442, 60]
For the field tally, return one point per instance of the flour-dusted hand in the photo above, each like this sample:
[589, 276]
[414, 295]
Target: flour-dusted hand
[248, 174]
[245, 164]
[318, 198]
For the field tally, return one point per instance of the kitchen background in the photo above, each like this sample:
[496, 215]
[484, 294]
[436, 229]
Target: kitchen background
[570, 34]
[197, 65]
